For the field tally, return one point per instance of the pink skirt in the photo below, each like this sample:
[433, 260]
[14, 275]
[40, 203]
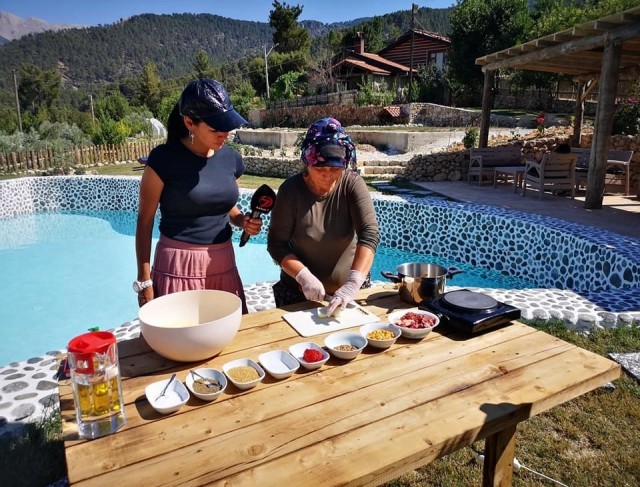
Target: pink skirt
[181, 266]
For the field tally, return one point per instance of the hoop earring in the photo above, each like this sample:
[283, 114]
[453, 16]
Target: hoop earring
[191, 137]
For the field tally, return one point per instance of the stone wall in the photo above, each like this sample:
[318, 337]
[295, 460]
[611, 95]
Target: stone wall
[443, 116]
[428, 114]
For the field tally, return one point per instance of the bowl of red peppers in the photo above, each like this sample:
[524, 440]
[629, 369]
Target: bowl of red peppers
[310, 355]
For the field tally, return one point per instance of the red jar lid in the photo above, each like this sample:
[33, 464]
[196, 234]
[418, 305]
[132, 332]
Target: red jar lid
[92, 342]
[84, 347]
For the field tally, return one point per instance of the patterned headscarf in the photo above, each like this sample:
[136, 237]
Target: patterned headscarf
[327, 144]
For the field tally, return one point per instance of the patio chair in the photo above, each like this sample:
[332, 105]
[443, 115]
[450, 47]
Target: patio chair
[555, 173]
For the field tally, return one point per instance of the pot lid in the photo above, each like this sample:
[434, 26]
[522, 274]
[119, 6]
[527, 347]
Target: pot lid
[469, 300]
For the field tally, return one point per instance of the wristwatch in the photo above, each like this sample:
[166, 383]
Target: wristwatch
[139, 286]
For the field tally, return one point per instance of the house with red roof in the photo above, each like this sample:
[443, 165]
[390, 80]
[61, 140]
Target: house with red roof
[389, 68]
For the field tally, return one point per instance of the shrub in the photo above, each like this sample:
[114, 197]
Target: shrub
[471, 137]
[626, 119]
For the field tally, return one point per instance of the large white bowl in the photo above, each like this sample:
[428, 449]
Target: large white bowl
[189, 326]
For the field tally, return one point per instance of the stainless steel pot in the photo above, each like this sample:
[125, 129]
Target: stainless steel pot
[419, 281]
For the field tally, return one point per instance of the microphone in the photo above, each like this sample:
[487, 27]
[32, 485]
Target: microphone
[262, 201]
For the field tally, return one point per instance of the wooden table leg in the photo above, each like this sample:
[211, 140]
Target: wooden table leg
[498, 458]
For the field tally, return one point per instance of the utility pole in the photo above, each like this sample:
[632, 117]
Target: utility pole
[93, 116]
[414, 8]
[266, 68]
[15, 88]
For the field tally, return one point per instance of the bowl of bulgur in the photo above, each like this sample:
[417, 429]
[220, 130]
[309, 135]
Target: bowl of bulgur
[243, 373]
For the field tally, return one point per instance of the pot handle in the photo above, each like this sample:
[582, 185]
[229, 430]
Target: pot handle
[452, 271]
[392, 277]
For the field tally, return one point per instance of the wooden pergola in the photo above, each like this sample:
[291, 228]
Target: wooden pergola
[597, 53]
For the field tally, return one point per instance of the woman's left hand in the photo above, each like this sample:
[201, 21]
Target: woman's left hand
[251, 225]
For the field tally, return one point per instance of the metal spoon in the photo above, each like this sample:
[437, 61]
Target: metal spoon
[164, 390]
[206, 379]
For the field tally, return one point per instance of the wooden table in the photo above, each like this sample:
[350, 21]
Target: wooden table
[360, 422]
[516, 171]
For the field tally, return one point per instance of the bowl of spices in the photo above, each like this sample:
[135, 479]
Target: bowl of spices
[380, 335]
[206, 384]
[278, 363]
[345, 345]
[244, 373]
[309, 354]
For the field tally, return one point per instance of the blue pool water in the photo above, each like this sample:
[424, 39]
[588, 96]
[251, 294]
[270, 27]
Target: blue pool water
[66, 272]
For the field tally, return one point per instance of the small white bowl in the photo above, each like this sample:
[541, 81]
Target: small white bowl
[207, 374]
[298, 349]
[279, 363]
[173, 399]
[415, 333]
[345, 338]
[240, 363]
[385, 343]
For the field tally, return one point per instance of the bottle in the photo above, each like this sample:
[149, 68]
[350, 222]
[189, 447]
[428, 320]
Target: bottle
[97, 389]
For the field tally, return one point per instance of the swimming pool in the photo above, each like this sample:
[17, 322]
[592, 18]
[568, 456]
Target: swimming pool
[72, 271]
[546, 252]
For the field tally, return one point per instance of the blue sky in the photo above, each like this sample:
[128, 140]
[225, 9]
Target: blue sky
[94, 12]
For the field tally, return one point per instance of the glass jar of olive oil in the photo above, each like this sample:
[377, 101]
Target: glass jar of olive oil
[97, 390]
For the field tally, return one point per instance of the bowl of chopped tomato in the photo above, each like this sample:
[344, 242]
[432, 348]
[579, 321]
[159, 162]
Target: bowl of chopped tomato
[414, 322]
[309, 354]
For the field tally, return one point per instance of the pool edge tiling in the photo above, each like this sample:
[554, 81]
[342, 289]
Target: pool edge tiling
[602, 268]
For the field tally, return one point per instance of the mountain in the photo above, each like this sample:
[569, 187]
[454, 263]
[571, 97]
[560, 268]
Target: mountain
[13, 27]
[110, 53]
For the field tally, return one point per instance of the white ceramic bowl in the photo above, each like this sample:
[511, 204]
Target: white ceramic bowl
[345, 338]
[380, 343]
[279, 363]
[298, 349]
[415, 333]
[242, 362]
[189, 326]
[173, 399]
[207, 374]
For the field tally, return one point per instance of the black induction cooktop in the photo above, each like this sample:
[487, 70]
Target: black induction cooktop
[469, 311]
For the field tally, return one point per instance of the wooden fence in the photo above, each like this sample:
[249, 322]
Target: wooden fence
[43, 160]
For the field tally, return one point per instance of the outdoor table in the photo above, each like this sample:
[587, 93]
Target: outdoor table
[359, 422]
[516, 171]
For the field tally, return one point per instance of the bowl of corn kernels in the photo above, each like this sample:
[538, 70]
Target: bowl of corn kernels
[380, 335]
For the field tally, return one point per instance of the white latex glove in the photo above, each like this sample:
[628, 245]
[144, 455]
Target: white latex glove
[347, 292]
[311, 287]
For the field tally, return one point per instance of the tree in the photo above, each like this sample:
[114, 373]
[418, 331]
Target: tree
[480, 27]
[289, 35]
[38, 89]
[111, 107]
[149, 91]
[287, 86]
[202, 68]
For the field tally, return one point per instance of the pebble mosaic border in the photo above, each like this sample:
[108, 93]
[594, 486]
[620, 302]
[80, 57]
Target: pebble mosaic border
[602, 268]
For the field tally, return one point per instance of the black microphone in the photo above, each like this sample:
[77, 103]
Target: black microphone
[262, 201]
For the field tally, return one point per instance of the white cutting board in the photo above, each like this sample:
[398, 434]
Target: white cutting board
[307, 322]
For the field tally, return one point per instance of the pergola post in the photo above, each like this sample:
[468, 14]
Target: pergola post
[604, 123]
[578, 114]
[487, 104]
